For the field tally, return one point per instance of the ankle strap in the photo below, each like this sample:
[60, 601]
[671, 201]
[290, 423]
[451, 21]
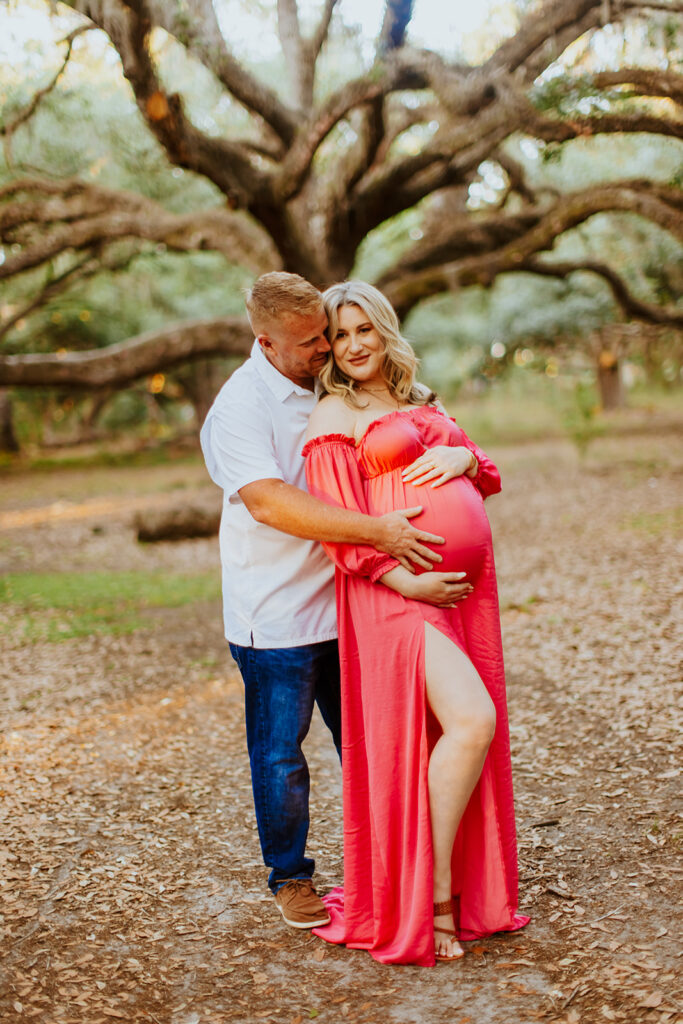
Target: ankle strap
[445, 907]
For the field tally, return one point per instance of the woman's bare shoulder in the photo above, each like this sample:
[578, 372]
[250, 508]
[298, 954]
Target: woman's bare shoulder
[331, 416]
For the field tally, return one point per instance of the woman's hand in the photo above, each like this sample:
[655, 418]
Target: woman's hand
[443, 589]
[441, 463]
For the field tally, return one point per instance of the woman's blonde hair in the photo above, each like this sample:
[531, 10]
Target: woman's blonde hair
[400, 362]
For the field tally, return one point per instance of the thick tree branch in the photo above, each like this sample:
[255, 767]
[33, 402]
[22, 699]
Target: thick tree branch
[629, 303]
[195, 26]
[120, 365]
[646, 6]
[453, 150]
[396, 71]
[462, 91]
[548, 29]
[456, 150]
[555, 129]
[300, 53]
[57, 217]
[294, 51]
[296, 166]
[320, 35]
[545, 33]
[516, 175]
[370, 127]
[226, 163]
[646, 82]
[52, 287]
[660, 205]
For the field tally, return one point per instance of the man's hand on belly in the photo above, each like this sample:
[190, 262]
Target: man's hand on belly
[399, 538]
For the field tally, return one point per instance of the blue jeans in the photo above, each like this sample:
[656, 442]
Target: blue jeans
[281, 686]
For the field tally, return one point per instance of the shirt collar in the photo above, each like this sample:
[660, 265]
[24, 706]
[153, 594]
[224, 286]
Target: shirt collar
[281, 386]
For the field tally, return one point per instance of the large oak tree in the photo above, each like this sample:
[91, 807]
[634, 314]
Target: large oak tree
[289, 204]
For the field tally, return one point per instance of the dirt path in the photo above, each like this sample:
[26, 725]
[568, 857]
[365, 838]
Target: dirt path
[131, 885]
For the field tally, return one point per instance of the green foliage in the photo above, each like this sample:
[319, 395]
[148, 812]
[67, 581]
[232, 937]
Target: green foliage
[454, 334]
[566, 96]
[382, 247]
[598, 159]
[57, 606]
[581, 420]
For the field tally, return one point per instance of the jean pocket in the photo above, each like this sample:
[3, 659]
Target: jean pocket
[235, 651]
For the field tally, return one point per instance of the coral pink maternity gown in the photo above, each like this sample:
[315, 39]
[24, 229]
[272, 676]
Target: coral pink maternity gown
[388, 729]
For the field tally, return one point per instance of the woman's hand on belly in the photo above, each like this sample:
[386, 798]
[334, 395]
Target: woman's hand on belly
[438, 464]
[443, 589]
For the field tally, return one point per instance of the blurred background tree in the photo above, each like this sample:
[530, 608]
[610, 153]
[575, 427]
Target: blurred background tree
[518, 198]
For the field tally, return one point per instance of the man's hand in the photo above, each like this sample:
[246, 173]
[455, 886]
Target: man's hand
[441, 463]
[398, 537]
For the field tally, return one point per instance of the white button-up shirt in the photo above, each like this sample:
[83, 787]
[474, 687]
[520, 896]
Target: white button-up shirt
[278, 590]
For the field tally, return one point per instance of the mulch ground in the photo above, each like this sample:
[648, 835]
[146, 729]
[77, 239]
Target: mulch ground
[131, 886]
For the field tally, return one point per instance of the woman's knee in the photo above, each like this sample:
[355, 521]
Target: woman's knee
[486, 723]
[475, 725]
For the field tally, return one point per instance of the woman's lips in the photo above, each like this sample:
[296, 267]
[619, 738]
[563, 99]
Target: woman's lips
[359, 360]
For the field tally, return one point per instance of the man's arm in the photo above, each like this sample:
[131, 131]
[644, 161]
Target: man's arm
[285, 507]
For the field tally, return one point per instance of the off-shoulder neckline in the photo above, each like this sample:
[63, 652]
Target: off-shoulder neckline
[347, 439]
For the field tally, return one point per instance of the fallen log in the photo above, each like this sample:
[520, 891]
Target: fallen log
[179, 522]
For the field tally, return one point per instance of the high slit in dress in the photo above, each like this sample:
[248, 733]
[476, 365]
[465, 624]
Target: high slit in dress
[388, 729]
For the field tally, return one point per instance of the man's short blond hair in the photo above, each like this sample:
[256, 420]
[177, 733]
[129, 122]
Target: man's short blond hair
[279, 295]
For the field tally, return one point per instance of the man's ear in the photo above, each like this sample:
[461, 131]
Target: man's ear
[264, 341]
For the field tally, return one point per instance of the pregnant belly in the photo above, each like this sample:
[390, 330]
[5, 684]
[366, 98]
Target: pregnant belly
[454, 511]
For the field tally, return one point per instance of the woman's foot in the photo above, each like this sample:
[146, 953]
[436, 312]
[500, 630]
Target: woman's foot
[446, 945]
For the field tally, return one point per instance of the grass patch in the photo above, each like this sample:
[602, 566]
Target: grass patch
[656, 523]
[102, 458]
[522, 407]
[527, 406]
[59, 606]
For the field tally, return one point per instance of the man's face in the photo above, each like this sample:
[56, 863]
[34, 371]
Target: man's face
[297, 347]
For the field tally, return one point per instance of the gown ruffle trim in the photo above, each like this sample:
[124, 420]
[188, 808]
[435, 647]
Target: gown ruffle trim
[323, 439]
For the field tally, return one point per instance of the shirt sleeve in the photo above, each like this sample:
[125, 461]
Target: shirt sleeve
[239, 446]
[333, 475]
[487, 477]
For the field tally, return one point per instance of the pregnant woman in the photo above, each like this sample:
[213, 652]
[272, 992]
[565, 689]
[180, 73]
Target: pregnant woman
[429, 835]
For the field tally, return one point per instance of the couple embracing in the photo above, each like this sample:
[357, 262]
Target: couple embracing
[353, 508]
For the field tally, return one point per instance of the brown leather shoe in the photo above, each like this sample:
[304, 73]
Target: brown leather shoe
[300, 905]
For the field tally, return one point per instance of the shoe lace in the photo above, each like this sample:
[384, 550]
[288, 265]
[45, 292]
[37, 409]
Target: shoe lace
[301, 884]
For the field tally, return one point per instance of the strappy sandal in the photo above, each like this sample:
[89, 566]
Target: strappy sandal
[446, 907]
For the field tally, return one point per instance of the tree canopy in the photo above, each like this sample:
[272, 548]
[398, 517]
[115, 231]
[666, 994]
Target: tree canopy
[294, 164]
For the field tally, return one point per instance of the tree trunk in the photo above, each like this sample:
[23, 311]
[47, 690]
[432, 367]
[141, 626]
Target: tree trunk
[202, 380]
[609, 381]
[8, 437]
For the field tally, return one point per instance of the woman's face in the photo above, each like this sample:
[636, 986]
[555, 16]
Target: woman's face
[357, 348]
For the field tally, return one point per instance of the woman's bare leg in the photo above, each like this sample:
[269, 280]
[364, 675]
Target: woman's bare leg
[467, 716]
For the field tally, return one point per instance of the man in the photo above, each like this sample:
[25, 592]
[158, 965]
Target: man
[278, 584]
